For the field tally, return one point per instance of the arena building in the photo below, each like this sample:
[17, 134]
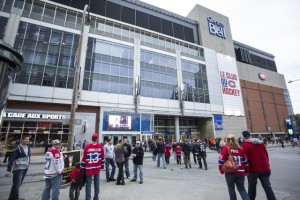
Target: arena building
[146, 72]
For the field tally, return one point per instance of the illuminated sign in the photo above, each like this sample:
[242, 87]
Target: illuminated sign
[33, 116]
[216, 28]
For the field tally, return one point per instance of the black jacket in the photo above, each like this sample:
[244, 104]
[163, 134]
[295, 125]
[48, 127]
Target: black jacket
[160, 147]
[17, 156]
[186, 148]
[128, 148]
[138, 159]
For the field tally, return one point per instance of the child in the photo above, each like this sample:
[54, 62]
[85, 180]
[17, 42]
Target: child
[75, 183]
[178, 151]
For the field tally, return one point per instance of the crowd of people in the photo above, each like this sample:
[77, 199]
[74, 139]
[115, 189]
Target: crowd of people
[249, 154]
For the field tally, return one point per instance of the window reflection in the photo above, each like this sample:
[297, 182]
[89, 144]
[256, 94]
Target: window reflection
[195, 79]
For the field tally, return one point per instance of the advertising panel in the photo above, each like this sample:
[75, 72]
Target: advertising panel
[70, 158]
[230, 86]
[218, 120]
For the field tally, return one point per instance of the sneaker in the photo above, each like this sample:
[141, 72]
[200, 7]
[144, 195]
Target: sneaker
[133, 180]
[141, 182]
[107, 180]
[165, 168]
[112, 179]
[118, 183]
[128, 177]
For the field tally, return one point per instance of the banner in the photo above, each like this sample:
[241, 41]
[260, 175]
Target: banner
[218, 122]
[70, 158]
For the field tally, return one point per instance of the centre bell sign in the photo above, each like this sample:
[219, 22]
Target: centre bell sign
[216, 28]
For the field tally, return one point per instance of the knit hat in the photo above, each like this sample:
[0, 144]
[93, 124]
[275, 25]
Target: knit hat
[246, 133]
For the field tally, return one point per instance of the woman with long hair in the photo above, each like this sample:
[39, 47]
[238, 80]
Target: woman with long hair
[236, 178]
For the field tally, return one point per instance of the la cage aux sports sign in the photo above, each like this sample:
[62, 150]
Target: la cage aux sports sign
[229, 83]
[33, 116]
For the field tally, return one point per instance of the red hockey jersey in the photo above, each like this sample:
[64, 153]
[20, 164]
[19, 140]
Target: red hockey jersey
[93, 159]
[239, 156]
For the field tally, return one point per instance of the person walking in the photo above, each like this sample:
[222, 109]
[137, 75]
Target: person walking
[18, 165]
[186, 148]
[258, 158]
[120, 152]
[178, 152]
[127, 146]
[138, 156]
[54, 168]
[109, 150]
[153, 149]
[160, 149]
[93, 162]
[236, 178]
[168, 152]
[10, 147]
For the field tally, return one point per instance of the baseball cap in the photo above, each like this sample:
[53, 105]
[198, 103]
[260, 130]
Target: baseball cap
[95, 136]
[246, 133]
[56, 141]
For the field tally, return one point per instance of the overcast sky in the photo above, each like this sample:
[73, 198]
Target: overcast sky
[269, 25]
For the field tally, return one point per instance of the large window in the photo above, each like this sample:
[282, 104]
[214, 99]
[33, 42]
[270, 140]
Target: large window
[195, 80]
[39, 132]
[158, 75]
[109, 67]
[48, 56]
[3, 22]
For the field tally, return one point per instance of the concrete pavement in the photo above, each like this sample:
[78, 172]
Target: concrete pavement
[175, 182]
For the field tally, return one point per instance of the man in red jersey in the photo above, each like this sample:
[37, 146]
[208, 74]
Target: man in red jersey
[258, 159]
[93, 162]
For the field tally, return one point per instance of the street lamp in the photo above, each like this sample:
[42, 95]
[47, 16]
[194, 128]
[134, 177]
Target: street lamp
[290, 81]
[78, 67]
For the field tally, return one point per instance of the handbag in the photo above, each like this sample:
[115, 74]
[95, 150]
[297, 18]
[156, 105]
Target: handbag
[230, 164]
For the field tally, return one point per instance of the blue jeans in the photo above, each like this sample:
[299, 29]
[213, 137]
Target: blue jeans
[88, 185]
[264, 178]
[135, 168]
[127, 167]
[239, 181]
[54, 184]
[153, 156]
[110, 161]
[162, 156]
[18, 177]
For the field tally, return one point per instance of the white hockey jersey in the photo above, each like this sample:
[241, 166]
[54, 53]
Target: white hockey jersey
[54, 163]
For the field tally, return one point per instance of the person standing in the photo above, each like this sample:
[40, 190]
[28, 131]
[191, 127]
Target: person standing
[127, 146]
[202, 154]
[120, 152]
[236, 178]
[109, 150]
[186, 148]
[75, 182]
[160, 149]
[93, 162]
[11, 146]
[54, 168]
[152, 146]
[258, 158]
[18, 165]
[138, 156]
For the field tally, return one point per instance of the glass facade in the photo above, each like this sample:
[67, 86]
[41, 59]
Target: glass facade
[39, 132]
[109, 67]
[48, 56]
[158, 75]
[194, 78]
[3, 22]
